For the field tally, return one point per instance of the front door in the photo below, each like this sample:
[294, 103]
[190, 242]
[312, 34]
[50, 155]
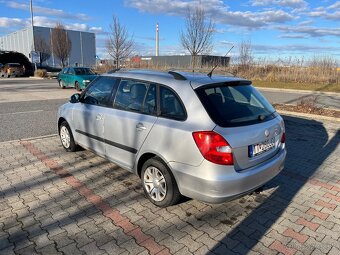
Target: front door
[89, 114]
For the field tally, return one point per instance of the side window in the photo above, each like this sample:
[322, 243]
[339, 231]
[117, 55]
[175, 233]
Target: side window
[65, 71]
[150, 105]
[99, 93]
[170, 105]
[70, 71]
[130, 95]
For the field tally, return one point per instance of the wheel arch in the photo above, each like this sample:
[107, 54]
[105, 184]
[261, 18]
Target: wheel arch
[148, 155]
[142, 159]
[61, 120]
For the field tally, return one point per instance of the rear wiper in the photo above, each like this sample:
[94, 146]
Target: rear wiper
[262, 117]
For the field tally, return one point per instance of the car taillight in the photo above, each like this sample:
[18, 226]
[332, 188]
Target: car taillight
[214, 147]
[283, 138]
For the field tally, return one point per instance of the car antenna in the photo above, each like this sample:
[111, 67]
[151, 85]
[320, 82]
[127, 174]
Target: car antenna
[210, 73]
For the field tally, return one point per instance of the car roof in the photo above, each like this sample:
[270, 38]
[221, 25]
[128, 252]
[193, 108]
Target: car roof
[173, 78]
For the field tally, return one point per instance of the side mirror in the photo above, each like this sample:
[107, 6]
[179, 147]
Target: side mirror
[75, 98]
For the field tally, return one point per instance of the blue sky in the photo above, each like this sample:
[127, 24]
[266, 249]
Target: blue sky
[275, 28]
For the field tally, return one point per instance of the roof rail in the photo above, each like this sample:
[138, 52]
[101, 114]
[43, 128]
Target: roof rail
[177, 75]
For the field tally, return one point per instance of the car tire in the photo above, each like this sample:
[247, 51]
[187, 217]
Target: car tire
[66, 137]
[61, 84]
[77, 86]
[159, 184]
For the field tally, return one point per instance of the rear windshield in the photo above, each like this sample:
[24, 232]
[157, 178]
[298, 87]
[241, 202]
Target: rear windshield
[83, 71]
[230, 106]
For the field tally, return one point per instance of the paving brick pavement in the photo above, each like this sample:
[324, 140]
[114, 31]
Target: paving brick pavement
[54, 202]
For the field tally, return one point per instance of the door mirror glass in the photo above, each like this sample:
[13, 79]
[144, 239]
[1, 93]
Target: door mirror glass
[75, 98]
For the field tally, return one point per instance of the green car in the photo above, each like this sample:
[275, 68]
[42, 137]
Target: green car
[76, 77]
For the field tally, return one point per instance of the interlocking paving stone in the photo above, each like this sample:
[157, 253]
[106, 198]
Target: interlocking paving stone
[54, 202]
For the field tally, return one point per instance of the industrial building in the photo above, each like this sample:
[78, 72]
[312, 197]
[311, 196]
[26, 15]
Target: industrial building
[83, 52]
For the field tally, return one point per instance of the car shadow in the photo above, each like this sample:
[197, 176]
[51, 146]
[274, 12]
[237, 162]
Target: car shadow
[308, 145]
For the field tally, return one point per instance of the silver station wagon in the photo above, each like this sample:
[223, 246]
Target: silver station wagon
[212, 138]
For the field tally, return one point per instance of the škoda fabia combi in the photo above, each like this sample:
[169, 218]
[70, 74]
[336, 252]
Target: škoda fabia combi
[212, 138]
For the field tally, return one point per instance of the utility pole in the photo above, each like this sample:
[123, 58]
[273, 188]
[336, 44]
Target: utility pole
[32, 23]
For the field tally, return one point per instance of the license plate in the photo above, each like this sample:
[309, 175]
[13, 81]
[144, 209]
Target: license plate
[259, 148]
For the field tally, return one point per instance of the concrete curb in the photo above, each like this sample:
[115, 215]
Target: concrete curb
[36, 78]
[38, 137]
[30, 138]
[309, 116]
[299, 91]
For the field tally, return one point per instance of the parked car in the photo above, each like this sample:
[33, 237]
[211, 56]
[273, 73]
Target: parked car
[12, 70]
[209, 138]
[76, 77]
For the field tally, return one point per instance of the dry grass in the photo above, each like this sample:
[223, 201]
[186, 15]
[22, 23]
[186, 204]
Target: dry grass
[40, 73]
[317, 70]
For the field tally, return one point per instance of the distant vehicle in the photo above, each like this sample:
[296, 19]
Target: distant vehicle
[12, 70]
[76, 77]
[212, 138]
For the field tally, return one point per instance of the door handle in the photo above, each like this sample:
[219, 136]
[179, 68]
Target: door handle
[140, 127]
[99, 117]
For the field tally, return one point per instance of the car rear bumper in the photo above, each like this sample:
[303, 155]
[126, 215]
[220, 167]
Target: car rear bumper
[216, 184]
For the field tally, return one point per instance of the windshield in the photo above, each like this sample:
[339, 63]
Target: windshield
[83, 71]
[230, 106]
[14, 65]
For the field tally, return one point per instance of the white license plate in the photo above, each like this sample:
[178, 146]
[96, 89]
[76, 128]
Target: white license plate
[259, 148]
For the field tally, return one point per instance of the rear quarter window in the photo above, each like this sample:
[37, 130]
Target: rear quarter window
[236, 105]
[170, 105]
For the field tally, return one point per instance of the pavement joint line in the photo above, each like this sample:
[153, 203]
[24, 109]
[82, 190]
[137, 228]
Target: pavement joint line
[117, 218]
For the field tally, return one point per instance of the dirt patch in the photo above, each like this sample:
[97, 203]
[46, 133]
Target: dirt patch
[308, 105]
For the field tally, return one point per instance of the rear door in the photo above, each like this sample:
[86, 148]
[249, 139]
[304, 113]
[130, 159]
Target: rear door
[128, 124]
[246, 120]
[89, 114]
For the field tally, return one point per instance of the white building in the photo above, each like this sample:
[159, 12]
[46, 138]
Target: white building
[83, 50]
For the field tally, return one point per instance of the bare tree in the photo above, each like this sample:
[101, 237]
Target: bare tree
[43, 48]
[61, 43]
[245, 54]
[119, 44]
[198, 35]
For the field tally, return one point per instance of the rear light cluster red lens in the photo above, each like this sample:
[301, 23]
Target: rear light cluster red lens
[214, 147]
[283, 138]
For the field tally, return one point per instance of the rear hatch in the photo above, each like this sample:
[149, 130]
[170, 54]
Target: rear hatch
[245, 119]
